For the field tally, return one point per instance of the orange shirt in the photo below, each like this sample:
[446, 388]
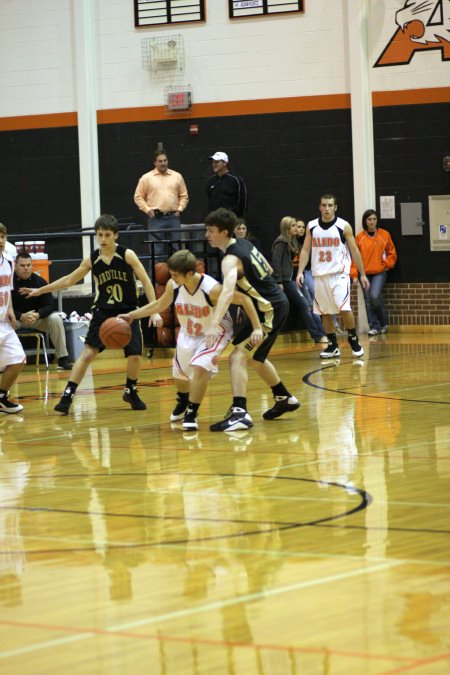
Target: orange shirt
[378, 252]
[163, 191]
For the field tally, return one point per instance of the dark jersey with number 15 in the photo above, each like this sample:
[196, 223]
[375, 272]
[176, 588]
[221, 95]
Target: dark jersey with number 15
[115, 284]
[257, 281]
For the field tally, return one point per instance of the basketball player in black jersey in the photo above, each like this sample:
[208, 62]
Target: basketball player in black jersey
[244, 267]
[115, 270]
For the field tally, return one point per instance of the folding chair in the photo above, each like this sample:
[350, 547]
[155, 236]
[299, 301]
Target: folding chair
[40, 338]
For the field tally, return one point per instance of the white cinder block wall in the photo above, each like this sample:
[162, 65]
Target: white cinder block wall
[258, 58]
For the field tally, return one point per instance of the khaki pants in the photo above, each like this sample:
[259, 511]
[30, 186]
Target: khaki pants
[54, 327]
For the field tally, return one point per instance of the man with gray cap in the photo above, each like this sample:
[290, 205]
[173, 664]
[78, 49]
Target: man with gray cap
[224, 189]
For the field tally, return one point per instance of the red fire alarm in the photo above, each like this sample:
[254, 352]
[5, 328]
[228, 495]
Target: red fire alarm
[193, 129]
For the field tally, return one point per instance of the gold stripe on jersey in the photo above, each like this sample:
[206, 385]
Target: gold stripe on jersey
[264, 306]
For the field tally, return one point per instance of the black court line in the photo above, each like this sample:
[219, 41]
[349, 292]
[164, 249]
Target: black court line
[365, 500]
[306, 379]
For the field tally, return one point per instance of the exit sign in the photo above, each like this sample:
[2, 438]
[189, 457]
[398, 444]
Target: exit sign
[179, 100]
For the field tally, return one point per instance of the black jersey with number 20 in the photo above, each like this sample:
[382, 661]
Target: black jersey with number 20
[115, 283]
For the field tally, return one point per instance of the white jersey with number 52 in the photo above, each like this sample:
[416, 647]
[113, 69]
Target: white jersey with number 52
[195, 310]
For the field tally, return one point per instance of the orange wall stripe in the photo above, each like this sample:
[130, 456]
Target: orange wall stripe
[39, 121]
[411, 97]
[229, 108]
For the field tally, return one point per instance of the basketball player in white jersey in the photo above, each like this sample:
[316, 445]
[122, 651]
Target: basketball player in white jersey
[12, 356]
[194, 296]
[330, 242]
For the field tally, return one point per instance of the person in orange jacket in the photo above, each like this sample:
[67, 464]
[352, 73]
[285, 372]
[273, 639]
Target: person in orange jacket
[378, 255]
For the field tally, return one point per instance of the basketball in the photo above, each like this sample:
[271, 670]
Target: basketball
[162, 274]
[115, 333]
[166, 316]
[159, 290]
[164, 337]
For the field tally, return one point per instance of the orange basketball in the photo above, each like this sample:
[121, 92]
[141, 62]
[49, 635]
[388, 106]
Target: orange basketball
[115, 333]
[164, 337]
[162, 274]
[166, 316]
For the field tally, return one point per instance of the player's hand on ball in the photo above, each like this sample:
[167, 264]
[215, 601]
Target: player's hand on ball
[125, 317]
[155, 320]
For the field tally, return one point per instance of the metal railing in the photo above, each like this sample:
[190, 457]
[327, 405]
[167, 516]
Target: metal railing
[136, 238]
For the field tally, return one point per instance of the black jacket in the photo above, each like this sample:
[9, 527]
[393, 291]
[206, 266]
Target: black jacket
[44, 304]
[227, 191]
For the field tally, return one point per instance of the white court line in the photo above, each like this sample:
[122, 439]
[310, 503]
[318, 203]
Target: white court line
[197, 610]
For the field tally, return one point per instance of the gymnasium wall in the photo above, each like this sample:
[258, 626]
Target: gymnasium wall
[274, 92]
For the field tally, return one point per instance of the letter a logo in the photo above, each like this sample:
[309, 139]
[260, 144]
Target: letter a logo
[422, 25]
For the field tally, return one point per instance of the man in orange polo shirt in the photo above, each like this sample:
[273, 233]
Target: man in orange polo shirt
[162, 195]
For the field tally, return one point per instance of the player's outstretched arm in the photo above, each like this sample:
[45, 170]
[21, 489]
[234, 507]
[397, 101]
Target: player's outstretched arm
[149, 290]
[63, 282]
[154, 307]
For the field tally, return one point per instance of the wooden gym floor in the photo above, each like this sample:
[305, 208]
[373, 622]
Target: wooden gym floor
[315, 544]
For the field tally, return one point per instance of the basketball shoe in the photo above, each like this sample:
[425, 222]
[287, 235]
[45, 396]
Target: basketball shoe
[130, 396]
[283, 404]
[8, 406]
[190, 420]
[65, 402]
[237, 418]
[331, 352]
[357, 350]
[179, 410]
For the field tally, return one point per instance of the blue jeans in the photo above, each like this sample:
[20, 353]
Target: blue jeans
[308, 291]
[298, 301]
[309, 282]
[168, 224]
[376, 311]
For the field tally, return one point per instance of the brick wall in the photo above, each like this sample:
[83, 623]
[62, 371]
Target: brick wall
[415, 304]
